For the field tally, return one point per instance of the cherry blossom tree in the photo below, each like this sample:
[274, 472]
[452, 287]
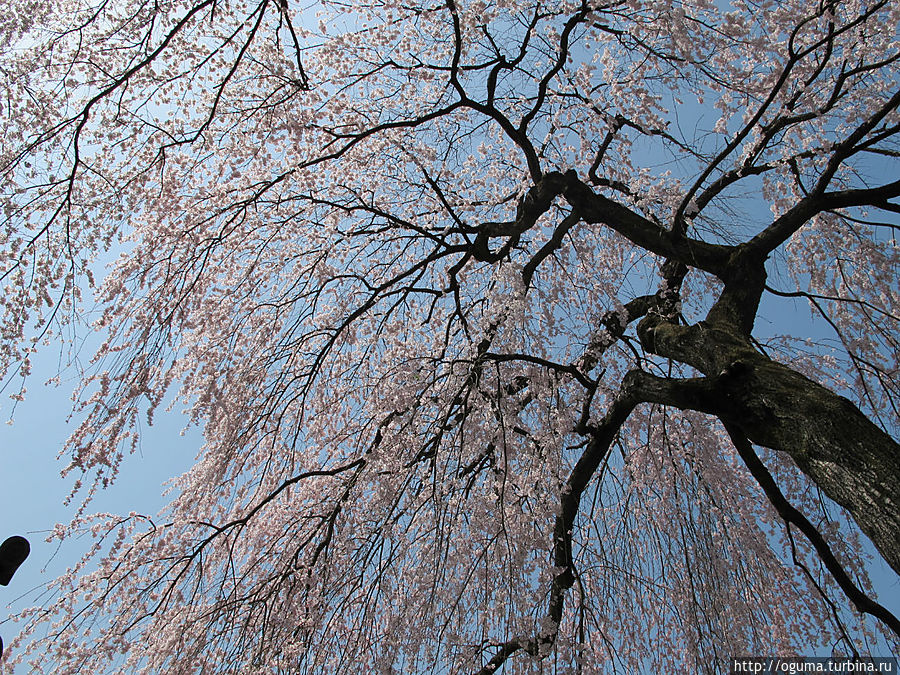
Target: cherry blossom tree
[483, 309]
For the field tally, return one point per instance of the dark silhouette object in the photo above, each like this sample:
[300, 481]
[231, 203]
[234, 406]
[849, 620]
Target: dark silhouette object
[13, 552]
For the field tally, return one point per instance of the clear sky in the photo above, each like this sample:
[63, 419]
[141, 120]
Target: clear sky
[32, 492]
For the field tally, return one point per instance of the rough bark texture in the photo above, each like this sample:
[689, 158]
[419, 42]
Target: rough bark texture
[852, 460]
[443, 299]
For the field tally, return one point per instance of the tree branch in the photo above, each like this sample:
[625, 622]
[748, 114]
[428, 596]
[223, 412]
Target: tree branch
[792, 516]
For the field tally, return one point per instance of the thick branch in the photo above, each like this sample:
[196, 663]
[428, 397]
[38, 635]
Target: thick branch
[852, 460]
[594, 208]
[780, 231]
[536, 202]
[612, 327]
[601, 439]
[553, 244]
[792, 516]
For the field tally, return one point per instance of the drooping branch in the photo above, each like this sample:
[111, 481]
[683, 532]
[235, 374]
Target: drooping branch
[715, 395]
[852, 460]
[792, 516]
[601, 438]
[295, 260]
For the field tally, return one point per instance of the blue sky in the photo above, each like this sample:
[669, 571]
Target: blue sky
[32, 492]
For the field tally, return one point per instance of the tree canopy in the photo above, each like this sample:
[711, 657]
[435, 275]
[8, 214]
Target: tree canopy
[488, 314]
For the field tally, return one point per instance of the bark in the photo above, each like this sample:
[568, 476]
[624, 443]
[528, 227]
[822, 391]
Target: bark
[852, 460]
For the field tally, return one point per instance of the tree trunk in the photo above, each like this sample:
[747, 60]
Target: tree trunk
[851, 459]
